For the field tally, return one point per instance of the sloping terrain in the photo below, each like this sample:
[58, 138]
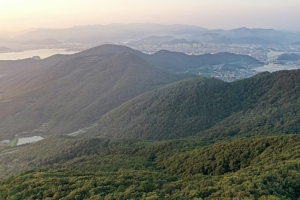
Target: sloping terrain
[137, 104]
[98, 168]
[273, 107]
[69, 92]
[177, 110]
[75, 92]
[264, 104]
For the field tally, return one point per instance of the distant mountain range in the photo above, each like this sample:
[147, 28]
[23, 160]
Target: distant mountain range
[5, 49]
[152, 40]
[148, 33]
[95, 34]
[47, 41]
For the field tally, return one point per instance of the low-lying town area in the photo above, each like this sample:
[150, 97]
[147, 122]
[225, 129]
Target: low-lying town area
[267, 54]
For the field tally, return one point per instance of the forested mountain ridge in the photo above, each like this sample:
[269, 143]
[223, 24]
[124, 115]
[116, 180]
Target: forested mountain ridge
[101, 168]
[75, 93]
[273, 107]
[210, 108]
[138, 103]
[175, 61]
[175, 111]
[78, 89]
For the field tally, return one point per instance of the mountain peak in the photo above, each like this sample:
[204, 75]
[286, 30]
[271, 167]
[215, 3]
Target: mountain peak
[107, 48]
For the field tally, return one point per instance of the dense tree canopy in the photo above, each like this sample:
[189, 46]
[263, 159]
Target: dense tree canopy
[99, 168]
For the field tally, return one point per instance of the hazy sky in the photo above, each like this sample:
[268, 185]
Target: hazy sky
[224, 14]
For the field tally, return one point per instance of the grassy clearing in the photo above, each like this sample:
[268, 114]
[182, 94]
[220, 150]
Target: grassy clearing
[14, 142]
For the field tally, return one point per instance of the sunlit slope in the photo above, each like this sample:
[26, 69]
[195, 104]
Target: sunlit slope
[65, 167]
[177, 110]
[270, 106]
[210, 108]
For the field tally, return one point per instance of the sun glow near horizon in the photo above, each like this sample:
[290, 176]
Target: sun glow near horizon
[16, 15]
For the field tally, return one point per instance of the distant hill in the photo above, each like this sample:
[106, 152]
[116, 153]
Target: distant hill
[175, 61]
[212, 109]
[5, 49]
[12, 34]
[47, 41]
[255, 32]
[178, 41]
[254, 36]
[243, 40]
[208, 37]
[180, 62]
[108, 49]
[296, 43]
[148, 33]
[291, 57]
[152, 40]
[95, 34]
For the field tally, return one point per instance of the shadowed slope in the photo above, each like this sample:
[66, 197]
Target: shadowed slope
[79, 91]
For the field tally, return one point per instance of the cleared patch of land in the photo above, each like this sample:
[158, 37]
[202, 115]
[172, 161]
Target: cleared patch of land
[26, 140]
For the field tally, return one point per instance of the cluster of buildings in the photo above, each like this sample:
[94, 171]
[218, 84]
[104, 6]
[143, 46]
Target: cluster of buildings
[265, 53]
[258, 51]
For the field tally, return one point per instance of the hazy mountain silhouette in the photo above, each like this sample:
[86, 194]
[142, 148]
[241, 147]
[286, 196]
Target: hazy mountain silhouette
[71, 92]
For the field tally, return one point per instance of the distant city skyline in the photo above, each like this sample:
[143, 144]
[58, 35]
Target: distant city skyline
[18, 15]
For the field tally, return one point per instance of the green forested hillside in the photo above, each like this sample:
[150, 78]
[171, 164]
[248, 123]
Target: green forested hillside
[68, 93]
[99, 168]
[177, 110]
[211, 109]
[62, 149]
[159, 137]
[273, 107]
[75, 93]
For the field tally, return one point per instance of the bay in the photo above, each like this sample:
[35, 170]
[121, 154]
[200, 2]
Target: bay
[42, 53]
